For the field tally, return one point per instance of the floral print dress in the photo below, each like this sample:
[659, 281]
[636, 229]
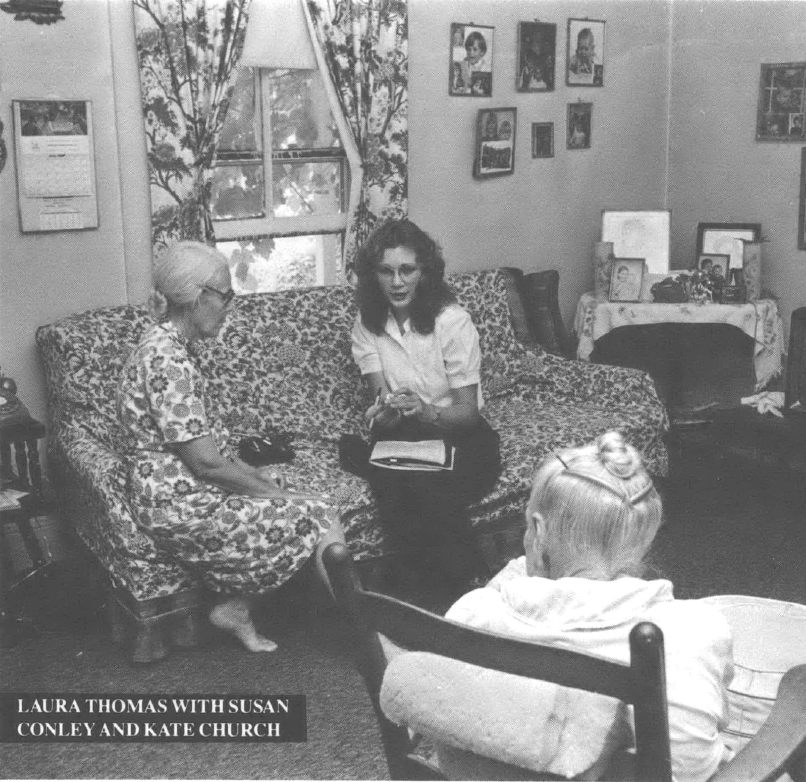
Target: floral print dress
[237, 544]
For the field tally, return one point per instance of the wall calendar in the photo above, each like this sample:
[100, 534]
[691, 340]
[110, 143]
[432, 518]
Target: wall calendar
[55, 157]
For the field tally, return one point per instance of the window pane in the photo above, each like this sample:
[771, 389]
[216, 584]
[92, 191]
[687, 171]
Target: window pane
[306, 188]
[238, 191]
[263, 264]
[241, 131]
[300, 112]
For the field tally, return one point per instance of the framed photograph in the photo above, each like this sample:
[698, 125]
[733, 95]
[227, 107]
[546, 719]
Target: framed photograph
[471, 62]
[495, 142]
[727, 239]
[714, 265]
[781, 102]
[586, 46]
[537, 43]
[542, 139]
[578, 133]
[802, 206]
[54, 146]
[626, 279]
[642, 234]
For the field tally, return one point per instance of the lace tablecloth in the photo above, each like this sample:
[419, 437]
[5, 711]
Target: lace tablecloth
[758, 319]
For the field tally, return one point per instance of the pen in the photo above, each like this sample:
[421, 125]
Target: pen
[377, 402]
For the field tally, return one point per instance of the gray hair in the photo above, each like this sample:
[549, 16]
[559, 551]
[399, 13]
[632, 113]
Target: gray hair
[599, 505]
[180, 275]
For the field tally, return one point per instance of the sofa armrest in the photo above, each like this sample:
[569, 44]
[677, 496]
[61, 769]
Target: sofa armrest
[602, 384]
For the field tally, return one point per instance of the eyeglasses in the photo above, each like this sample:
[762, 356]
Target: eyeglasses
[405, 270]
[226, 296]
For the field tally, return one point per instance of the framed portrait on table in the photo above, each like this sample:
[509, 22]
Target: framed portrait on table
[578, 132]
[727, 239]
[495, 142]
[586, 42]
[640, 234]
[542, 139]
[626, 279]
[470, 72]
[782, 102]
[714, 265]
[537, 42]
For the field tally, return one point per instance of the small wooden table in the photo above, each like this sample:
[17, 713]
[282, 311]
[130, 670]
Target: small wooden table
[20, 470]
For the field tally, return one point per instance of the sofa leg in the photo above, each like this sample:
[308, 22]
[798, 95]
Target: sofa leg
[116, 616]
[186, 630]
[148, 644]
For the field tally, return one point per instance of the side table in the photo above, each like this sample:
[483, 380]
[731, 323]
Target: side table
[20, 470]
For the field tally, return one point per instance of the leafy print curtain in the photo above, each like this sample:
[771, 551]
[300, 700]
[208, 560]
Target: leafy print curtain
[188, 50]
[365, 43]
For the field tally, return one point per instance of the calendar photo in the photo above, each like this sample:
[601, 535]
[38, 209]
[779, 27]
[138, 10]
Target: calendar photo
[55, 165]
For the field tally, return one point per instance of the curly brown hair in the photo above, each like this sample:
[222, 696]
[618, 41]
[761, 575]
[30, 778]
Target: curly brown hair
[433, 294]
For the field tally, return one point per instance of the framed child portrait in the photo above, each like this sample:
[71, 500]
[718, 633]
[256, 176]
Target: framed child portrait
[586, 42]
[626, 279]
[470, 72]
[542, 139]
[579, 125]
[781, 102]
[495, 142]
[727, 239]
[537, 43]
[715, 265]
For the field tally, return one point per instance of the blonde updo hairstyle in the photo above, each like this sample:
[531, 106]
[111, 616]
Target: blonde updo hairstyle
[180, 275]
[600, 509]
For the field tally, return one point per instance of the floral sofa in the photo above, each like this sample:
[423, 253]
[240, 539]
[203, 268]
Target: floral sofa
[283, 361]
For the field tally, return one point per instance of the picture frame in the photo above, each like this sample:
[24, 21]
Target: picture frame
[55, 156]
[579, 125]
[537, 46]
[802, 202]
[708, 263]
[495, 142]
[585, 47]
[727, 239]
[542, 139]
[782, 102]
[626, 279]
[470, 69]
[640, 234]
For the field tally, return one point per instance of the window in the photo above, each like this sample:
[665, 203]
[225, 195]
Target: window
[280, 217]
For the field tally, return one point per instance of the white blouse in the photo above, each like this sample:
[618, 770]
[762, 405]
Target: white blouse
[428, 364]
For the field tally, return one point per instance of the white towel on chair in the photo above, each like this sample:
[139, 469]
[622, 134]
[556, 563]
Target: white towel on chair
[523, 722]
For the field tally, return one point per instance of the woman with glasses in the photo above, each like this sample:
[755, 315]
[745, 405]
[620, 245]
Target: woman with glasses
[418, 351]
[237, 526]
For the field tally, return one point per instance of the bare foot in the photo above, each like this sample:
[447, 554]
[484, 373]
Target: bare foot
[233, 616]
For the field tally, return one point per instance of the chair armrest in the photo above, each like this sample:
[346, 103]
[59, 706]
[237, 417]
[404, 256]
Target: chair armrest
[781, 742]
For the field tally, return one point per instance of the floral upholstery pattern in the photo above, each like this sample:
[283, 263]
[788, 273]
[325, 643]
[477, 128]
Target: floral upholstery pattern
[283, 361]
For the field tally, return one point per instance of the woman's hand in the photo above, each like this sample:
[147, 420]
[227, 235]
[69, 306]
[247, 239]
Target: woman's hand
[382, 415]
[407, 402]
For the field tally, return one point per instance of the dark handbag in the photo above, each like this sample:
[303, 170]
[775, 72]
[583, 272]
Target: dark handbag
[354, 454]
[272, 448]
[668, 291]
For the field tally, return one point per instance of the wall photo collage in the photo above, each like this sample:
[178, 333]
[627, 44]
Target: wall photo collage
[538, 68]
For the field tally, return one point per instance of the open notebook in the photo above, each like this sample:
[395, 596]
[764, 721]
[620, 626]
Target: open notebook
[431, 455]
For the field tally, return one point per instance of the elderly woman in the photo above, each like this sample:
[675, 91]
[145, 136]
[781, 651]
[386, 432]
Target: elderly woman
[237, 526]
[592, 516]
[419, 352]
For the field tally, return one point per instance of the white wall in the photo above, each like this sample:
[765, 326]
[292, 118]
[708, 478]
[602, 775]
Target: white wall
[719, 172]
[547, 214]
[46, 276]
